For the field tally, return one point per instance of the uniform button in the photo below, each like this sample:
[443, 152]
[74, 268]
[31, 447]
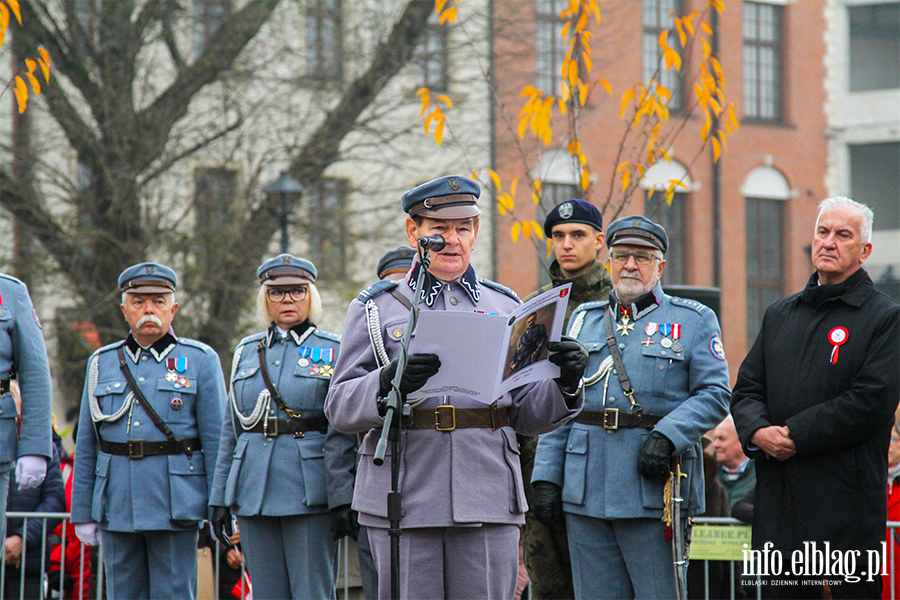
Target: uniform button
[663, 353]
[117, 385]
[571, 446]
[241, 374]
[137, 423]
[398, 333]
[271, 411]
[621, 346]
[192, 467]
[615, 372]
[612, 400]
[453, 300]
[141, 379]
[609, 431]
[277, 363]
[678, 354]
[108, 388]
[661, 367]
[144, 358]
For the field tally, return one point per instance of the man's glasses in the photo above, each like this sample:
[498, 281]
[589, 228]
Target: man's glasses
[643, 259]
[277, 294]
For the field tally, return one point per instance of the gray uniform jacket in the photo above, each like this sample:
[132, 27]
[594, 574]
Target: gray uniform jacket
[22, 348]
[163, 492]
[279, 475]
[461, 477]
[596, 468]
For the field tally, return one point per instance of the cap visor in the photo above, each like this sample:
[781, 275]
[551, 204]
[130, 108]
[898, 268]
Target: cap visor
[635, 241]
[287, 280]
[463, 211]
[149, 289]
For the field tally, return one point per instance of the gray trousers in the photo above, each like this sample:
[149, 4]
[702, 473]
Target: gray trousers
[367, 572]
[458, 563]
[620, 558]
[292, 557]
[145, 565]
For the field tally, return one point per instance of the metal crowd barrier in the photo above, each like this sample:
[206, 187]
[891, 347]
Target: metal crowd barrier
[55, 588]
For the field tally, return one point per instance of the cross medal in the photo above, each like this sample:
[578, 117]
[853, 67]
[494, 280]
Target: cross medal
[625, 326]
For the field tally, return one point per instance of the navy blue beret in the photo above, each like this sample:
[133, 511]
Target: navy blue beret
[450, 197]
[637, 231]
[148, 278]
[397, 258]
[286, 269]
[575, 210]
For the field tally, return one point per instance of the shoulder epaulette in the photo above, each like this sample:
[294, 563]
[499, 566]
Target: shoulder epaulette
[692, 304]
[591, 305]
[379, 287]
[327, 335]
[500, 288]
[11, 278]
[107, 348]
[252, 339]
[195, 344]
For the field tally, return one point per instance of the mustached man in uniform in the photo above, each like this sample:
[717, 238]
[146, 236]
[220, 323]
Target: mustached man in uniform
[148, 437]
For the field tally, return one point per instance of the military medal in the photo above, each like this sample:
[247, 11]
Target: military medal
[327, 355]
[625, 326]
[838, 337]
[171, 376]
[650, 329]
[305, 351]
[177, 403]
[316, 355]
[323, 371]
[665, 343]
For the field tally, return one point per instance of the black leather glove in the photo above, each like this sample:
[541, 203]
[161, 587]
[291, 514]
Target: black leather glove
[221, 525]
[419, 367]
[547, 503]
[656, 456]
[344, 522]
[571, 357]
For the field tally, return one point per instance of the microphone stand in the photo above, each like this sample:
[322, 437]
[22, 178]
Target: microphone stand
[395, 412]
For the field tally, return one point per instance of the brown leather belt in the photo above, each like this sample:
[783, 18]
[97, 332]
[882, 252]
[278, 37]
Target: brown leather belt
[447, 418]
[297, 427]
[135, 449]
[613, 418]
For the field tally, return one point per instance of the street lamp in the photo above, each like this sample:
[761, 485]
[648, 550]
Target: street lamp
[284, 185]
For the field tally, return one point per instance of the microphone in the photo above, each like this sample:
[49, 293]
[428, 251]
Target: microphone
[434, 242]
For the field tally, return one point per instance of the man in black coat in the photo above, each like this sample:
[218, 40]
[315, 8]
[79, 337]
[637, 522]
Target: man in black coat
[814, 404]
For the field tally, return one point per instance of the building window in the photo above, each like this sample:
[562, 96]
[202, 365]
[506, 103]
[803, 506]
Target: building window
[658, 17]
[549, 46]
[874, 47]
[765, 271]
[875, 181]
[324, 43]
[671, 217]
[208, 16]
[431, 57]
[762, 61]
[214, 195]
[328, 229]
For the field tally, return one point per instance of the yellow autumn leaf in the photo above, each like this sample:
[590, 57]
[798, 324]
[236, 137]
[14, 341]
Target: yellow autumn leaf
[474, 175]
[4, 18]
[14, 5]
[30, 65]
[732, 117]
[549, 247]
[582, 21]
[664, 39]
[21, 94]
[34, 83]
[514, 232]
[673, 59]
[445, 100]
[681, 36]
[621, 166]
[582, 93]
[439, 5]
[439, 133]
[587, 61]
[670, 194]
[562, 107]
[605, 85]
[537, 229]
[627, 97]
[526, 229]
[2, 34]
[665, 155]
[427, 123]
[495, 178]
[706, 28]
[448, 16]
[724, 140]
[719, 5]
[717, 149]
[626, 179]
[523, 125]
[513, 186]
[565, 30]
[677, 183]
[572, 72]
[585, 179]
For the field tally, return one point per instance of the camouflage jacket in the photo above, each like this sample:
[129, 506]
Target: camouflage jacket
[592, 285]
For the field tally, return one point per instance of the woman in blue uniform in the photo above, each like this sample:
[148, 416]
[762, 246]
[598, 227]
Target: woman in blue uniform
[274, 452]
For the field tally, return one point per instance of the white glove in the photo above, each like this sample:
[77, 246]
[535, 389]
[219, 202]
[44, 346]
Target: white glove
[88, 533]
[30, 471]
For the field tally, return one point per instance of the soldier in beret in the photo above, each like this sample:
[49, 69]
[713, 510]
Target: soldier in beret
[650, 395]
[575, 230]
[148, 436]
[460, 477]
[395, 263]
[23, 355]
[277, 459]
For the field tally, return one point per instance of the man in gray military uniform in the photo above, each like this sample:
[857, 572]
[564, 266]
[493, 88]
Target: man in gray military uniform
[647, 401]
[148, 436]
[22, 353]
[461, 479]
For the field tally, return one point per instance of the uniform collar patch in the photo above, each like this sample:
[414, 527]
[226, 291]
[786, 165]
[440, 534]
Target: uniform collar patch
[433, 285]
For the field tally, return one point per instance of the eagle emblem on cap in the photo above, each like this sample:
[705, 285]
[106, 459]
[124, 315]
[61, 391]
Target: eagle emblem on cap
[149, 269]
[286, 260]
[566, 209]
[453, 184]
[636, 223]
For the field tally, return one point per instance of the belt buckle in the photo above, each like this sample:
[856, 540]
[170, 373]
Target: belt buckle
[271, 426]
[614, 424]
[445, 417]
[135, 444]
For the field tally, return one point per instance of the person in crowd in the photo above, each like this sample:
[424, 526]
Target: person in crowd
[275, 454]
[461, 481]
[736, 472]
[148, 436]
[395, 263]
[575, 230]
[814, 404]
[648, 403]
[892, 542]
[25, 442]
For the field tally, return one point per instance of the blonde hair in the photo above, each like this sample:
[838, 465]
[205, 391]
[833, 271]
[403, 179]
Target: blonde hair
[265, 317]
